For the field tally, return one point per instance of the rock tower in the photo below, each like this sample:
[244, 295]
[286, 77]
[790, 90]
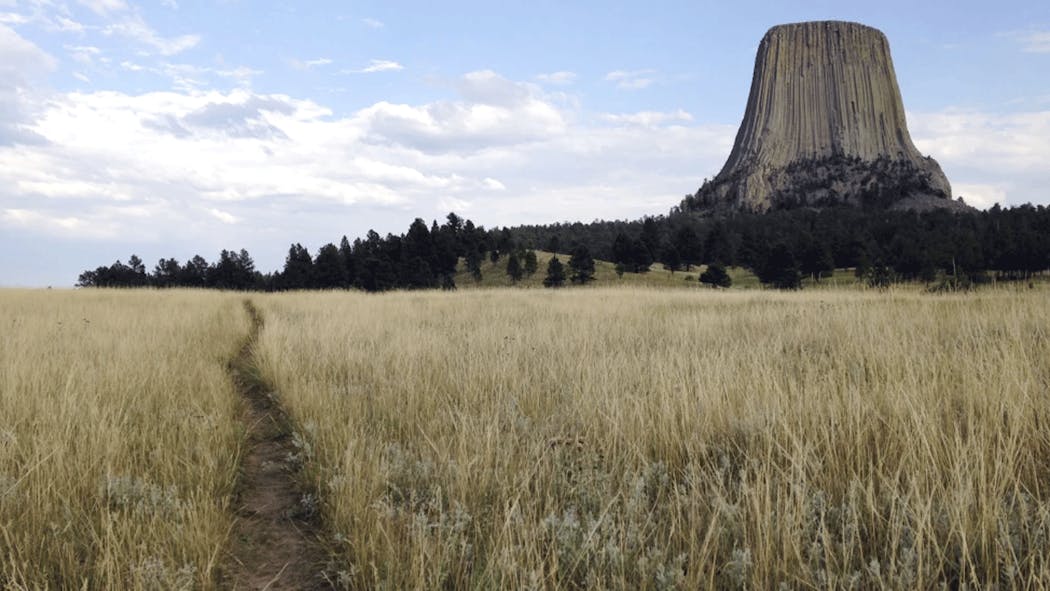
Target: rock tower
[825, 125]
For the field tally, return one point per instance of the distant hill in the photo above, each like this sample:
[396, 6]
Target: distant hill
[495, 275]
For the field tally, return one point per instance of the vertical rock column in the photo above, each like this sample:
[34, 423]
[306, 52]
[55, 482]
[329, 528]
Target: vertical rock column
[822, 92]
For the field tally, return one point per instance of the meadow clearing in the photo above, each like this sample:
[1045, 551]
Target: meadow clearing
[118, 442]
[656, 439]
[625, 438]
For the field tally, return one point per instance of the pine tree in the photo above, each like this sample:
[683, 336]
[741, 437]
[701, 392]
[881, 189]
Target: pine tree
[194, 273]
[136, 265]
[166, 273]
[346, 252]
[817, 261]
[651, 235]
[715, 275]
[329, 268]
[136, 276]
[473, 261]
[582, 265]
[781, 269]
[223, 274]
[672, 260]
[718, 246]
[555, 273]
[514, 269]
[531, 264]
[641, 256]
[418, 243]
[446, 249]
[623, 250]
[687, 243]
[505, 240]
[298, 269]
[241, 275]
[417, 274]
[879, 276]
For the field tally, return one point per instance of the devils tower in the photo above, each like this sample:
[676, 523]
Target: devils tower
[824, 125]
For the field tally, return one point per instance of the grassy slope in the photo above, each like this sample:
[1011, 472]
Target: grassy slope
[495, 275]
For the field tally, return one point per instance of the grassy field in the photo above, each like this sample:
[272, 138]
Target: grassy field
[118, 444]
[656, 439]
[611, 437]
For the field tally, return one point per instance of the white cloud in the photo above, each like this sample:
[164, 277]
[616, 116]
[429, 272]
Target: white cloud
[493, 184]
[190, 77]
[188, 167]
[135, 28]
[105, 7]
[1033, 41]
[19, 57]
[82, 77]
[13, 18]
[649, 118]
[309, 64]
[199, 170]
[241, 74]
[495, 112]
[49, 15]
[378, 66]
[25, 217]
[489, 88]
[227, 147]
[185, 77]
[1000, 156]
[49, 222]
[66, 24]
[373, 23]
[1014, 143]
[631, 80]
[84, 54]
[558, 78]
[223, 216]
[980, 196]
[454, 204]
[22, 64]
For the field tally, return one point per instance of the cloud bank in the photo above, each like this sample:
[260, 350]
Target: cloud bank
[194, 169]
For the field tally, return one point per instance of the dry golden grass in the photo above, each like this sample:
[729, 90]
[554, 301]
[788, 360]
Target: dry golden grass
[598, 438]
[644, 439]
[118, 438]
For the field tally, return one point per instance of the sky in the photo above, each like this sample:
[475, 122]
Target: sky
[182, 127]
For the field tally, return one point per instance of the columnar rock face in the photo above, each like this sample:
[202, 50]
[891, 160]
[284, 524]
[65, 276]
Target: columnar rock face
[825, 125]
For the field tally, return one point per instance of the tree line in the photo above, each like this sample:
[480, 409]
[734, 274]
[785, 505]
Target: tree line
[783, 246]
[780, 247]
[421, 258]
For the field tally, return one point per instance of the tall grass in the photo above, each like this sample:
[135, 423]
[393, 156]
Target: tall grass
[118, 438]
[642, 439]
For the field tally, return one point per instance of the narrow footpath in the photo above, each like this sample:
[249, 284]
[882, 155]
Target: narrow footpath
[275, 540]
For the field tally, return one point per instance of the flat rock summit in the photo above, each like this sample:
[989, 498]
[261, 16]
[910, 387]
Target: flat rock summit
[825, 125]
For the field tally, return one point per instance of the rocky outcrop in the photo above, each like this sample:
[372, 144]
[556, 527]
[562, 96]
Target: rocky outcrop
[825, 125]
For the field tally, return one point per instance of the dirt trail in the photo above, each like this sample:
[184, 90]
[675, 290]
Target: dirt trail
[274, 544]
